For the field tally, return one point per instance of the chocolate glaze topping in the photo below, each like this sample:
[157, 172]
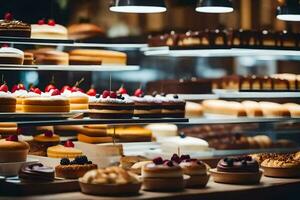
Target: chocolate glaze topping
[238, 164]
[37, 171]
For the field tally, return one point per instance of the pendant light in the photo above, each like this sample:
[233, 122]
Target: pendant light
[290, 11]
[214, 6]
[138, 6]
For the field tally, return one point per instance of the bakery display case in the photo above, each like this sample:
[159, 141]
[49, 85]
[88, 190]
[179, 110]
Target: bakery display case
[102, 105]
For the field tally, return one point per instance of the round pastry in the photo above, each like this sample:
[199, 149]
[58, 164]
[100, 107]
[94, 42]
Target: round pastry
[36, 172]
[172, 106]
[281, 166]
[66, 151]
[7, 102]
[193, 110]
[237, 170]
[110, 181]
[263, 141]
[147, 107]
[79, 56]
[161, 175]
[46, 104]
[110, 106]
[85, 31]
[9, 55]
[7, 129]
[196, 169]
[10, 27]
[48, 31]
[78, 100]
[41, 142]
[13, 150]
[28, 58]
[48, 56]
[94, 140]
[74, 169]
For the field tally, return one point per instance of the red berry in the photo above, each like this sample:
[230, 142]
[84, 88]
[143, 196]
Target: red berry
[49, 87]
[14, 88]
[48, 133]
[55, 92]
[169, 163]
[105, 94]
[158, 161]
[122, 90]
[175, 158]
[5, 45]
[76, 89]
[21, 87]
[41, 22]
[91, 92]
[138, 92]
[37, 91]
[12, 138]
[4, 88]
[66, 87]
[8, 16]
[51, 22]
[113, 95]
[31, 89]
[184, 157]
[69, 143]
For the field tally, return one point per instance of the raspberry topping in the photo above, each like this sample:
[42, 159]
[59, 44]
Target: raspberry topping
[175, 158]
[69, 143]
[184, 157]
[8, 16]
[158, 161]
[51, 22]
[4, 88]
[113, 95]
[13, 138]
[92, 92]
[122, 90]
[105, 94]
[139, 92]
[41, 22]
[55, 92]
[37, 91]
[48, 133]
[169, 163]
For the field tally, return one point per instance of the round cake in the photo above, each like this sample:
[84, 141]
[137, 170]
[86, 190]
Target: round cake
[48, 56]
[44, 104]
[66, 151]
[9, 55]
[85, 31]
[48, 31]
[10, 27]
[7, 102]
[13, 150]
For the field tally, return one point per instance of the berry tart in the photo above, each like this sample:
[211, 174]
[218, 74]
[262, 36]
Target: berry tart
[9, 27]
[162, 175]
[36, 172]
[7, 100]
[146, 106]
[113, 181]
[172, 106]
[281, 166]
[74, 169]
[64, 151]
[196, 169]
[110, 105]
[13, 56]
[50, 30]
[237, 170]
[13, 150]
[41, 142]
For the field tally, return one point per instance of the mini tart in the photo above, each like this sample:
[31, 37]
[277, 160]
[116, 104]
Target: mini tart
[41, 143]
[162, 177]
[73, 171]
[60, 151]
[110, 181]
[197, 171]
[237, 170]
[46, 104]
[7, 102]
[284, 166]
[13, 151]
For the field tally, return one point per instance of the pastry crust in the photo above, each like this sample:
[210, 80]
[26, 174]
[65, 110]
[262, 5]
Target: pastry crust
[73, 171]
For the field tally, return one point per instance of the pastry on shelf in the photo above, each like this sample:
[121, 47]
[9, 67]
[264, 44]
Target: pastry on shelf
[221, 107]
[271, 109]
[136, 168]
[41, 142]
[78, 99]
[269, 39]
[85, 32]
[288, 39]
[28, 58]
[185, 144]
[7, 129]
[97, 57]
[130, 134]
[113, 181]
[190, 38]
[170, 39]
[242, 170]
[281, 166]
[9, 27]
[50, 56]
[36, 172]
[126, 162]
[196, 169]
[66, 151]
[293, 108]
[193, 110]
[20, 93]
[111, 105]
[9, 55]
[7, 100]
[50, 30]
[94, 139]
[162, 130]
[73, 169]
[172, 106]
[162, 175]
[13, 150]
[253, 108]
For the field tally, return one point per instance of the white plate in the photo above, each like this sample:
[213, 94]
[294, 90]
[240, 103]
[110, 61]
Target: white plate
[12, 169]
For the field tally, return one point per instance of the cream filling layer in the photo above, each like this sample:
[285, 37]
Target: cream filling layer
[153, 111]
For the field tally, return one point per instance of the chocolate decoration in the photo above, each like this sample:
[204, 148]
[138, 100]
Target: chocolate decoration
[238, 164]
[37, 171]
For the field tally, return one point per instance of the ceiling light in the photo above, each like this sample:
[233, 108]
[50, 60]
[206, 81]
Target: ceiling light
[138, 6]
[290, 11]
[214, 6]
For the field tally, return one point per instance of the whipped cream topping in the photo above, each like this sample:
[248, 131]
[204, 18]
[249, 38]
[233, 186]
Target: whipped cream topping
[57, 28]
[25, 94]
[113, 100]
[11, 52]
[5, 94]
[169, 98]
[68, 93]
[146, 99]
[92, 99]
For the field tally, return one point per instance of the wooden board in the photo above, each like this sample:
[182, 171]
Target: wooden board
[16, 187]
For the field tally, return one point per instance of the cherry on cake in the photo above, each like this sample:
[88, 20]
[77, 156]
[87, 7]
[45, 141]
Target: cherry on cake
[48, 30]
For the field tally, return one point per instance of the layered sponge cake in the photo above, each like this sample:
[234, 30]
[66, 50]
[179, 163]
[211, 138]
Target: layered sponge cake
[46, 104]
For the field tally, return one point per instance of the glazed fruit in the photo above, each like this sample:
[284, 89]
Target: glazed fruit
[13, 138]
[91, 92]
[48, 133]
[8, 16]
[55, 92]
[51, 22]
[49, 87]
[69, 143]
[113, 95]
[158, 161]
[41, 22]
[105, 94]
[66, 87]
[4, 88]
[138, 92]
[122, 90]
